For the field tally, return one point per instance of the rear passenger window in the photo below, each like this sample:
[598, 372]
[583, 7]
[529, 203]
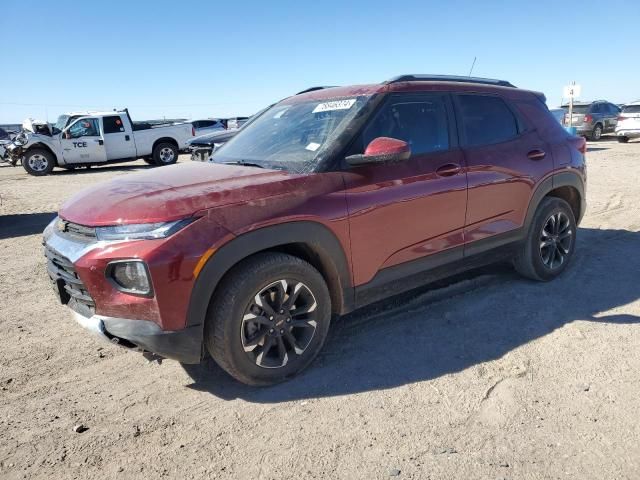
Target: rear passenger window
[112, 124]
[486, 120]
[419, 121]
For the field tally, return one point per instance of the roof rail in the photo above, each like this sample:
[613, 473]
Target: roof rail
[449, 78]
[313, 89]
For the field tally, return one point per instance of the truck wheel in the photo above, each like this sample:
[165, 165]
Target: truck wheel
[596, 134]
[38, 162]
[165, 154]
[623, 139]
[549, 245]
[268, 319]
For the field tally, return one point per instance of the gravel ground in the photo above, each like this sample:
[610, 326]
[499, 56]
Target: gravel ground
[491, 376]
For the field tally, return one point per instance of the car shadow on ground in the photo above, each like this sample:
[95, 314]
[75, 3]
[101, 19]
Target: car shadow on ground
[596, 149]
[387, 345]
[24, 224]
[101, 168]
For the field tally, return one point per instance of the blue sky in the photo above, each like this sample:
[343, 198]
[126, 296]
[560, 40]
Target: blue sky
[198, 59]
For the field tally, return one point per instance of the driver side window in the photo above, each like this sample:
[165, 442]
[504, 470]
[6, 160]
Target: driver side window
[421, 121]
[85, 127]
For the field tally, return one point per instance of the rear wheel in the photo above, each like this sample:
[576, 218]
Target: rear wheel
[268, 319]
[596, 134]
[165, 154]
[550, 243]
[623, 139]
[38, 162]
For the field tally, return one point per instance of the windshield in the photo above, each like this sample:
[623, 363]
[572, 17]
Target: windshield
[60, 123]
[631, 109]
[291, 136]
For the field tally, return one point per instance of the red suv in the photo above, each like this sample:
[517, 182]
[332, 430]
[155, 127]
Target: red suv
[329, 201]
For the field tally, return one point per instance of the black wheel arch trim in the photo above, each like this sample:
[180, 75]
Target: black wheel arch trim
[316, 237]
[557, 180]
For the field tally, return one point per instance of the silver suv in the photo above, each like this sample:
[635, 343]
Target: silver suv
[592, 119]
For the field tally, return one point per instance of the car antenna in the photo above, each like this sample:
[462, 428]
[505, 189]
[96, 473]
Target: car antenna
[472, 65]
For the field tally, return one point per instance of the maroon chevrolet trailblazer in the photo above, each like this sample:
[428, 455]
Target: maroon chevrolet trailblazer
[326, 202]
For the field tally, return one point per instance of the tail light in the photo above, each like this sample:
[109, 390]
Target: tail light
[579, 143]
[193, 131]
[621, 117]
[588, 118]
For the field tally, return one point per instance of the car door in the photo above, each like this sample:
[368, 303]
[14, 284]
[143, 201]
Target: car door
[118, 142]
[505, 161]
[82, 142]
[400, 213]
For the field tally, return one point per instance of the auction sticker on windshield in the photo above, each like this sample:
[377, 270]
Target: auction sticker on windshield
[335, 105]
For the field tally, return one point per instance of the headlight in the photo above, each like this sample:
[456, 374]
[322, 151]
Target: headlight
[130, 276]
[21, 139]
[142, 231]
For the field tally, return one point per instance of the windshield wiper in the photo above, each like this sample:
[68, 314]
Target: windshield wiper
[243, 163]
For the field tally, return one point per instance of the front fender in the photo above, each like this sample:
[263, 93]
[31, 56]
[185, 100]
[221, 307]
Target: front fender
[318, 238]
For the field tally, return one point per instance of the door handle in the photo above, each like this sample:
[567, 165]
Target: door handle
[127, 138]
[100, 141]
[448, 170]
[536, 154]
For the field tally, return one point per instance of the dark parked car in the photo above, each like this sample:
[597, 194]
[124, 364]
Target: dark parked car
[328, 201]
[592, 119]
[202, 146]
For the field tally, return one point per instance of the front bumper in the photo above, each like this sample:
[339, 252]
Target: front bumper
[77, 267]
[200, 153]
[145, 336]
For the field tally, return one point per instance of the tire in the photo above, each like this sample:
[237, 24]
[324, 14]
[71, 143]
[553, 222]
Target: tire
[38, 162]
[596, 134]
[237, 343]
[165, 153]
[623, 139]
[544, 263]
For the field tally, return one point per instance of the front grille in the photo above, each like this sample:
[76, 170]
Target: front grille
[68, 284]
[75, 230]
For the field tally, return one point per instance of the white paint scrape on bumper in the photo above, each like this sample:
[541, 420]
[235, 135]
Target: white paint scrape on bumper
[92, 324]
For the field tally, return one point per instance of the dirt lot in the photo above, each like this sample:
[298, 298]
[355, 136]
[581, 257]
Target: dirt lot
[490, 377]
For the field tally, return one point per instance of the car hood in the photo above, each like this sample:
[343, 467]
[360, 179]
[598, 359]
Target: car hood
[173, 192]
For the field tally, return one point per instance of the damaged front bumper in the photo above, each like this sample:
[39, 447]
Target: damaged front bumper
[145, 336]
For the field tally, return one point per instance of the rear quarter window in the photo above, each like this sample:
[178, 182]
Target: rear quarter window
[486, 120]
[538, 114]
[112, 124]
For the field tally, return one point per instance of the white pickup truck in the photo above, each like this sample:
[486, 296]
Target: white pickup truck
[81, 139]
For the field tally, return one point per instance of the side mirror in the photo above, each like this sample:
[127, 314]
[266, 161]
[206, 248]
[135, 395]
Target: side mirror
[382, 150]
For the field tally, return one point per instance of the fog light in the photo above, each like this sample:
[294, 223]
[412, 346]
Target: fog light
[130, 277]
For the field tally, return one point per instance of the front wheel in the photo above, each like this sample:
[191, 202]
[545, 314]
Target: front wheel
[623, 139]
[268, 319]
[550, 243]
[165, 154]
[38, 162]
